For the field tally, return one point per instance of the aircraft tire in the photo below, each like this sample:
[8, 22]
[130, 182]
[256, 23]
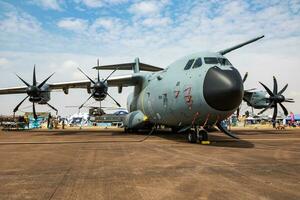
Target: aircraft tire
[192, 137]
[203, 136]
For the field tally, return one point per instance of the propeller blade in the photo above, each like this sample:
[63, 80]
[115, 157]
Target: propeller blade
[86, 76]
[109, 75]
[34, 77]
[268, 107]
[43, 83]
[283, 89]
[267, 89]
[86, 100]
[284, 109]
[275, 86]
[52, 108]
[290, 101]
[17, 107]
[245, 77]
[274, 113]
[226, 131]
[248, 90]
[33, 108]
[114, 100]
[27, 84]
[98, 76]
[238, 112]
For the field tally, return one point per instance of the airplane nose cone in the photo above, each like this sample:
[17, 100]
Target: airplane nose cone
[223, 89]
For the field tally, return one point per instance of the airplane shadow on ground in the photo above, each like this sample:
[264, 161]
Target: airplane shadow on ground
[266, 132]
[215, 140]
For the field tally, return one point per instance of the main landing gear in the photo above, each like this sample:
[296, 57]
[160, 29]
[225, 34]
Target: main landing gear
[198, 135]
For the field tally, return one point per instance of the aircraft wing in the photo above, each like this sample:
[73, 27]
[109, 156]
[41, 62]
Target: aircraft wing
[71, 84]
[13, 90]
[129, 66]
[123, 80]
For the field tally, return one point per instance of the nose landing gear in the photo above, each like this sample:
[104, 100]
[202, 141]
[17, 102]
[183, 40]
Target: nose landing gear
[199, 134]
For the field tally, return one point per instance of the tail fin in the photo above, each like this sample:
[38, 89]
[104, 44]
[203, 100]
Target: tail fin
[223, 52]
[136, 65]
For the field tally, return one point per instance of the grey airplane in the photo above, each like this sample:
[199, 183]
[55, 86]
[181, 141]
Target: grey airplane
[267, 99]
[191, 94]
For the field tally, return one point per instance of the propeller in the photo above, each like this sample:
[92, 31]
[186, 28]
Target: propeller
[276, 98]
[238, 109]
[99, 87]
[33, 92]
[245, 77]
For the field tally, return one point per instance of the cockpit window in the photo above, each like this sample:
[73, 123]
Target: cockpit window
[224, 61]
[197, 63]
[189, 64]
[211, 60]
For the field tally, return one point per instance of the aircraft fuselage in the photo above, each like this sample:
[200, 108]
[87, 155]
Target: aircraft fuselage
[207, 92]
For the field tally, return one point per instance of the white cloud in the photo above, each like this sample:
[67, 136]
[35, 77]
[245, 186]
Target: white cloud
[159, 38]
[4, 62]
[145, 8]
[294, 6]
[104, 23]
[164, 21]
[19, 22]
[48, 4]
[99, 3]
[92, 3]
[73, 24]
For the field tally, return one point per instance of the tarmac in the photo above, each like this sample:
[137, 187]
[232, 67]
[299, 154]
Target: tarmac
[109, 164]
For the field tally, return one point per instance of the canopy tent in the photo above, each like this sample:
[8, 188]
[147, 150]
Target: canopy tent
[297, 117]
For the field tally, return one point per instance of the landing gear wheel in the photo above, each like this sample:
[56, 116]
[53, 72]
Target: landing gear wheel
[202, 136]
[192, 137]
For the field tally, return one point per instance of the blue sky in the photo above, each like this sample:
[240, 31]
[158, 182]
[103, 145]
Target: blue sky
[61, 35]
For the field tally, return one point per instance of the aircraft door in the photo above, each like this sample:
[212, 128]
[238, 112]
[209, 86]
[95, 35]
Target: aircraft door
[148, 98]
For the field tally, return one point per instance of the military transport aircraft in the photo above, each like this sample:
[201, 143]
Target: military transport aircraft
[259, 99]
[194, 92]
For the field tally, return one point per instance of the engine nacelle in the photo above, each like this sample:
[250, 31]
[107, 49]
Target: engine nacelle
[135, 119]
[256, 99]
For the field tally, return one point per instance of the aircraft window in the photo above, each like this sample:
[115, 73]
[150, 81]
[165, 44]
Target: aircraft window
[211, 60]
[189, 64]
[224, 61]
[198, 63]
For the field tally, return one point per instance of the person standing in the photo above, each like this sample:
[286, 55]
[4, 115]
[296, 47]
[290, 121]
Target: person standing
[48, 121]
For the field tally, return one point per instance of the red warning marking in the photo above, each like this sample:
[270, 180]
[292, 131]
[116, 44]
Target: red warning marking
[188, 97]
[176, 93]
